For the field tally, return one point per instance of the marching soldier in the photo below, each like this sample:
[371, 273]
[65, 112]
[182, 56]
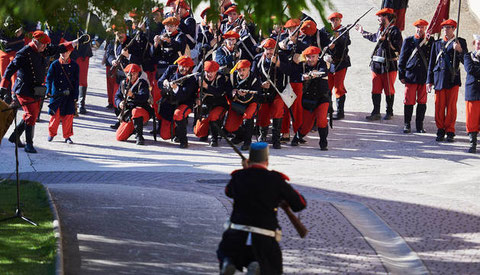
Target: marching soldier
[316, 96]
[207, 38]
[177, 99]
[63, 88]
[271, 72]
[252, 233]
[412, 71]
[233, 20]
[384, 61]
[132, 100]
[215, 88]
[243, 103]
[30, 62]
[339, 60]
[289, 47]
[124, 51]
[444, 76]
[472, 93]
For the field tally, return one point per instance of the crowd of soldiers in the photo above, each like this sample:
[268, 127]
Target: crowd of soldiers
[240, 83]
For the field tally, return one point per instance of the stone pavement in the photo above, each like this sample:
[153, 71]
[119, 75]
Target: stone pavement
[379, 200]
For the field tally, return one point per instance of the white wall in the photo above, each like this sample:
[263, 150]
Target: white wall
[475, 7]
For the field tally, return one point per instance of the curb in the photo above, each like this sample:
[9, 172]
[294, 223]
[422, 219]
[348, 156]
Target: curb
[58, 234]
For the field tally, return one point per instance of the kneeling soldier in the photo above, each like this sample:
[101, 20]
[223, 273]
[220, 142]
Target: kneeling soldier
[252, 234]
[132, 99]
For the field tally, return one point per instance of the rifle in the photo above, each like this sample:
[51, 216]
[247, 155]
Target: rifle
[127, 87]
[294, 48]
[454, 73]
[349, 27]
[299, 227]
[114, 69]
[198, 113]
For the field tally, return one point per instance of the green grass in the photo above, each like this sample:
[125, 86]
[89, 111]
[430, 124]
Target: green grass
[24, 248]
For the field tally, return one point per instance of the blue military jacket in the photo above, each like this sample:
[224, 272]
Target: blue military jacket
[413, 68]
[339, 53]
[472, 85]
[59, 81]
[31, 66]
[388, 49]
[440, 65]
[187, 91]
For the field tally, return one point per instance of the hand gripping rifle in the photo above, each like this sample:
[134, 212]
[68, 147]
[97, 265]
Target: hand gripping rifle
[349, 27]
[126, 87]
[301, 229]
[114, 69]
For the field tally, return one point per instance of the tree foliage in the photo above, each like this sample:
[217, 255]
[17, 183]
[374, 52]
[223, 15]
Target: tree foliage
[264, 13]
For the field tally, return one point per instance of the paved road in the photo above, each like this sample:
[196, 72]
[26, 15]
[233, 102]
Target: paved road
[159, 209]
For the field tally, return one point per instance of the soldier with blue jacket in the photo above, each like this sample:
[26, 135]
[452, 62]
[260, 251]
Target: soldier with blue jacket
[472, 92]
[63, 88]
[30, 63]
[444, 75]
[412, 71]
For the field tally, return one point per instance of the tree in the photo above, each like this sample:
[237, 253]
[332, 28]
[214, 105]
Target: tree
[264, 13]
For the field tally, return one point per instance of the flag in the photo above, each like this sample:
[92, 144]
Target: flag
[400, 8]
[441, 14]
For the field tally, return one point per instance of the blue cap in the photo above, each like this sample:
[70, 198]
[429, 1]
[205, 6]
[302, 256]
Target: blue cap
[258, 152]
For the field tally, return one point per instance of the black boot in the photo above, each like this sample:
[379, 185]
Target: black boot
[81, 98]
[276, 129]
[247, 138]
[323, 133]
[389, 99]
[138, 124]
[263, 133]
[340, 108]
[116, 124]
[450, 137]
[181, 132]
[473, 142]
[420, 116]
[29, 130]
[238, 135]
[214, 130]
[440, 135]
[407, 117]
[18, 132]
[375, 115]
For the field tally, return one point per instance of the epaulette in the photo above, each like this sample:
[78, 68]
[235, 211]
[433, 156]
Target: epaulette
[235, 171]
[285, 177]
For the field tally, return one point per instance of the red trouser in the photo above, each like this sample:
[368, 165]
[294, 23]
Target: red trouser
[110, 87]
[446, 108]
[415, 91]
[126, 128]
[234, 120]
[473, 116]
[336, 82]
[297, 110]
[320, 114]
[380, 82]
[31, 110]
[156, 92]
[181, 112]
[201, 128]
[5, 59]
[67, 124]
[83, 63]
[268, 111]
[115, 89]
